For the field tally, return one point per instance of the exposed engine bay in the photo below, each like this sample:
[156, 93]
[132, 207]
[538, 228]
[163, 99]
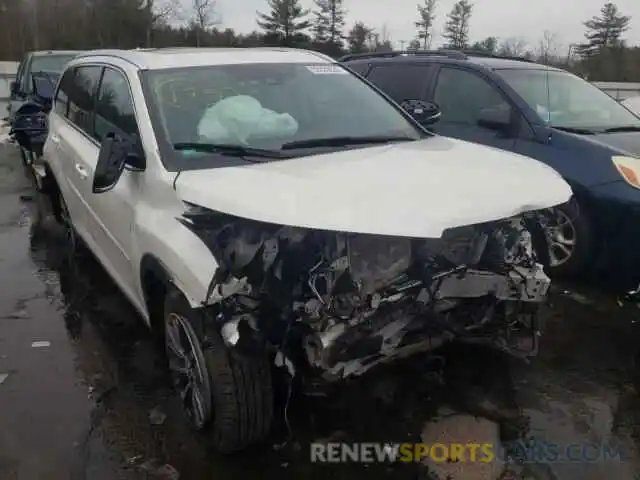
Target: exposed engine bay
[340, 303]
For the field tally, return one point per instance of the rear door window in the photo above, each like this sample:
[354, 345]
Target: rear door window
[401, 81]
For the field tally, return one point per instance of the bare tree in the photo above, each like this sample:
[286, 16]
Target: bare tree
[157, 11]
[548, 47]
[513, 47]
[205, 17]
[383, 42]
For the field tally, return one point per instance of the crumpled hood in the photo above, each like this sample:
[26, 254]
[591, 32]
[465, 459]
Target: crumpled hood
[413, 189]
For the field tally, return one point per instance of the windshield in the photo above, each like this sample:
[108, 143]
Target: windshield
[565, 100]
[284, 106]
[50, 63]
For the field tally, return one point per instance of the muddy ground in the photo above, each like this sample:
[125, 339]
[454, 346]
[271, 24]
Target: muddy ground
[89, 402]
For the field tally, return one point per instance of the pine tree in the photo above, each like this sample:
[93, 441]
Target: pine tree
[604, 31]
[457, 27]
[359, 37]
[488, 45]
[414, 45]
[427, 14]
[286, 20]
[329, 23]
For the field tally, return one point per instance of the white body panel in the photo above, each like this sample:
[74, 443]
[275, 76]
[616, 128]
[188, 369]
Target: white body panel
[413, 189]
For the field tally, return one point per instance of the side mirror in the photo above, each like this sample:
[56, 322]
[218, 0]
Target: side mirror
[115, 155]
[425, 113]
[110, 165]
[495, 118]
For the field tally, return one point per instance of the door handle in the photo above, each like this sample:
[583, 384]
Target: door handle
[55, 138]
[82, 171]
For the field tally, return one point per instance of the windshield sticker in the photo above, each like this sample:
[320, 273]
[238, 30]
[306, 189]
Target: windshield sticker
[326, 70]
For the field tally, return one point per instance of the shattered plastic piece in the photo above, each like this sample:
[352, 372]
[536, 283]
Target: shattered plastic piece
[20, 314]
[3, 377]
[133, 460]
[580, 298]
[282, 361]
[41, 344]
[167, 472]
[157, 416]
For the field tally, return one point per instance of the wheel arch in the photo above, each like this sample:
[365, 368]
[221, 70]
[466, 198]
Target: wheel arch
[154, 279]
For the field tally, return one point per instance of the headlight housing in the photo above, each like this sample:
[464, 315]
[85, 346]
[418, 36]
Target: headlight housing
[629, 168]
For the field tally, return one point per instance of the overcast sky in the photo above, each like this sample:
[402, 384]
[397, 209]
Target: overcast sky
[500, 18]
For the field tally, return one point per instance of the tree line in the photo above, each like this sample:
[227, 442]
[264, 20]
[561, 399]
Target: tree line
[85, 24]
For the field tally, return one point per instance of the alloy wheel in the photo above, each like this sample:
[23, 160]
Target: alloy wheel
[188, 369]
[561, 235]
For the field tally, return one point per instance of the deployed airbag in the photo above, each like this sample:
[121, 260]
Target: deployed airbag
[237, 118]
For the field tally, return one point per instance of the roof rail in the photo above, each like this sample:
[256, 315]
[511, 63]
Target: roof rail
[480, 53]
[455, 54]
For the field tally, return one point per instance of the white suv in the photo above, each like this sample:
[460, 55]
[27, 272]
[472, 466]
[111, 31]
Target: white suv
[265, 207]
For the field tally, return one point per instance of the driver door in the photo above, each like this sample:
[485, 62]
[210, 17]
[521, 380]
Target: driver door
[111, 214]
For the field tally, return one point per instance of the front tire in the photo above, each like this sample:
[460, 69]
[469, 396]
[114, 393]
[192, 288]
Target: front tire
[570, 236]
[223, 391]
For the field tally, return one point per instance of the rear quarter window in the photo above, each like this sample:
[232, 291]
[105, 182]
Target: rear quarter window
[359, 68]
[401, 81]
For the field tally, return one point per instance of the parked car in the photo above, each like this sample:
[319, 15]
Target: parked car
[545, 113]
[35, 82]
[633, 104]
[267, 208]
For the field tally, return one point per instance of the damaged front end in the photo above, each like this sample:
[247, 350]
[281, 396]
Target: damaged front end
[339, 303]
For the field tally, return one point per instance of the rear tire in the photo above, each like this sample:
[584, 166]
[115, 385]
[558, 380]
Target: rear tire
[240, 403]
[25, 157]
[570, 217]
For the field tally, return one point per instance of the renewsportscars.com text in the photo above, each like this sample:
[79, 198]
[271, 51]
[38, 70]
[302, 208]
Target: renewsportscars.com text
[524, 452]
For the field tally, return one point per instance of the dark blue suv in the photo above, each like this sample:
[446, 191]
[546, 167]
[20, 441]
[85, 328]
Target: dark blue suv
[545, 113]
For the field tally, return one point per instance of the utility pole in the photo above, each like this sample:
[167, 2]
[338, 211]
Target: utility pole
[572, 47]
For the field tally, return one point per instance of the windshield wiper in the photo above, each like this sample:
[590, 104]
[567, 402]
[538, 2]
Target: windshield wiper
[579, 131]
[627, 128]
[343, 141]
[229, 149]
